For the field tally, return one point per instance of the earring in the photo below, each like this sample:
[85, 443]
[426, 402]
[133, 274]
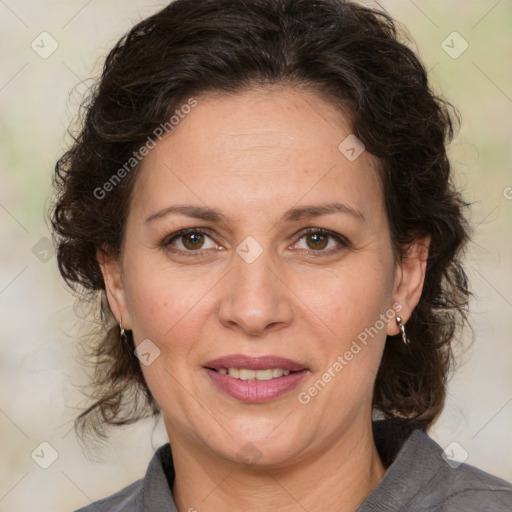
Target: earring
[402, 328]
[123, 333]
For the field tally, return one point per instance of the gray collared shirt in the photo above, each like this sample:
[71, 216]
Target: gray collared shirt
[418, 479]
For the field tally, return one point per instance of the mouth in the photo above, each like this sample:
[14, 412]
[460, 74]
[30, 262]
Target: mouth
[251, 375]
[255, 379]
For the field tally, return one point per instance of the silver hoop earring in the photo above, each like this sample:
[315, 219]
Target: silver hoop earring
[402, 328]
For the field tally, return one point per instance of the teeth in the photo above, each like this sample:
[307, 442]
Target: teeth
[265, 374]
[234, 372]
[248, 374]
[244, 374]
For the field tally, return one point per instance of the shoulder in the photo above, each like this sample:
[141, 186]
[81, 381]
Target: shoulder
[422, 477]
[122, 501]
[151, 493]
[454, 487]
[466, 487]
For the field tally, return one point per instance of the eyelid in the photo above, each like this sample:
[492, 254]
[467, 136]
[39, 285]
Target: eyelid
[343, 241]
[340, 239]
[167, 241]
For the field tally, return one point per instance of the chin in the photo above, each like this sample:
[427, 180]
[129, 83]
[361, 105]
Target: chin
[255, 451]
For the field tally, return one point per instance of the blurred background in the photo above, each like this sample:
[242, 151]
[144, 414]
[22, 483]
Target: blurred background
[49, 52]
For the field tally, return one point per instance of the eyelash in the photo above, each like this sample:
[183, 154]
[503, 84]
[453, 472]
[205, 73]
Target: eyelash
[345, 243]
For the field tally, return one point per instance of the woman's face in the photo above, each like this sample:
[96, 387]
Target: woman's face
[251, 173]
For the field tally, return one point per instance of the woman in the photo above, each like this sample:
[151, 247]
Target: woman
[261, 196]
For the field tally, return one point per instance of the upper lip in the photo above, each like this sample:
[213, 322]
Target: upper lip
[255, 363]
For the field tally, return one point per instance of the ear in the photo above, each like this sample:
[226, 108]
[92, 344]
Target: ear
[409, 280]
[113, 278]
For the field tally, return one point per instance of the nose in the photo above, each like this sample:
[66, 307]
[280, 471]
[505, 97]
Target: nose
[254, 299]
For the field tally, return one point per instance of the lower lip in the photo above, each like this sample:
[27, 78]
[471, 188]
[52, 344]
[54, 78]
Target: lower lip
[256, 391]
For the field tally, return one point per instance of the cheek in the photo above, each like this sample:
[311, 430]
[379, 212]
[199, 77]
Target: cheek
[169, 304]
[168, 308]
[163, 299]
[347, 308]
[349, 299]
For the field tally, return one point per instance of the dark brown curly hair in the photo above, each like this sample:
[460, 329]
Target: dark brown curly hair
[351, 55]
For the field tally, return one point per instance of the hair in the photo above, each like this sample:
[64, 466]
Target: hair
[351, 55]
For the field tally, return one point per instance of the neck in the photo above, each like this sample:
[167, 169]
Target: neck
[337, 479]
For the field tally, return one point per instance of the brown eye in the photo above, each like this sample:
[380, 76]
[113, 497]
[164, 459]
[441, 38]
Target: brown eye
[189, 240]
[322, 241]
[318, 241]
[193, 240]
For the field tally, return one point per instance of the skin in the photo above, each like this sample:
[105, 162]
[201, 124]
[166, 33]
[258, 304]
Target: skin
[253, 156]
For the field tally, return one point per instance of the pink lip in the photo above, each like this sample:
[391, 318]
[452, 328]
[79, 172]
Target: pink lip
[256, 391]
[255, 363]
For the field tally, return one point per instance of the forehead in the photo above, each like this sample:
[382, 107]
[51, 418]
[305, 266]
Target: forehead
[258, 147]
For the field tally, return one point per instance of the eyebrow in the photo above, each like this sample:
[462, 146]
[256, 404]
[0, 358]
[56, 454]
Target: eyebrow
[292, 215]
